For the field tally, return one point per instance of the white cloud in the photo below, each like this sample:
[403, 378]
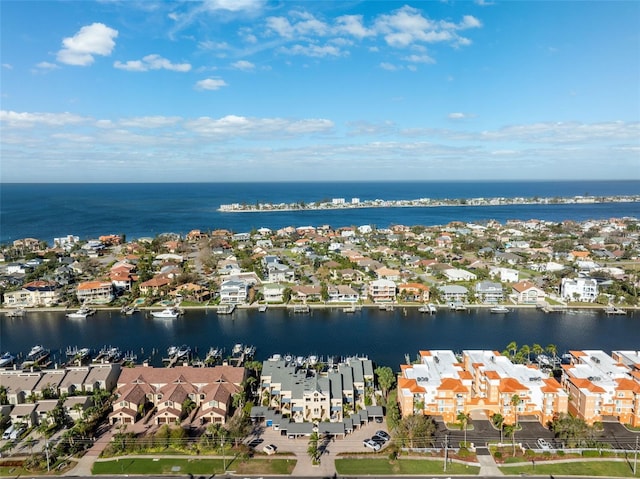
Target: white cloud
[233, 5]
[210, 84]
[28, 120]
[389, 66]
[458, 116]
[419, 59]
[239, 126]
[152, 62]
[317, 51]
[352, 25]
[46, 66]
[243, 65]
[94, 39]
[7, 66]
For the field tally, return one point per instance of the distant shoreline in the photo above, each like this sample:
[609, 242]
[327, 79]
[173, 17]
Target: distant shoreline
[356, 203]
[287, 307]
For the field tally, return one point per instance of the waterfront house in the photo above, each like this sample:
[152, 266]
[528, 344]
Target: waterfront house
[579, 289]
[489, 292]
[388, 273]
[414, 292]
[101, 377]
[382, 291]
[306, 293]
[525, 292]
[191, 291]
[454, 293]
[156, 286]
[95, 292]
[273, 292]
[49, 383]
[33, 294]
[342, 293]
[234, 291]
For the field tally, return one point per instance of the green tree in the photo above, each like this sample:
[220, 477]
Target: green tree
[510, 431]
[386, 379]
[512, 347]
[463, 418]
[312, 449]
[498, 421]
[515, 402]
[416, 431]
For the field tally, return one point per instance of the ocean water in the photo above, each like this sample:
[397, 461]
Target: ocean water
[45, 211]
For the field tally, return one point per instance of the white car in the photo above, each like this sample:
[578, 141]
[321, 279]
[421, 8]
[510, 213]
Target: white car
[269, 449]
[544, 444]
[371, 444]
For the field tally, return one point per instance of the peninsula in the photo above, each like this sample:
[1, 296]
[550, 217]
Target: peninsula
[342, 203]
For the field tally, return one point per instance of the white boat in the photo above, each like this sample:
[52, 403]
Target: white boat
[80, 314]
[16, 313]
[262, 308]
[237, 349]
[6, 359]
[167, 313]
[500, 309]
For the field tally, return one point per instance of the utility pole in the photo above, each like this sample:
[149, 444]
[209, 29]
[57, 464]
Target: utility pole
[635, 458]
[446, 451]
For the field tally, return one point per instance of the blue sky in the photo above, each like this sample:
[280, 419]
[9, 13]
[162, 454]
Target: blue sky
[252, 90]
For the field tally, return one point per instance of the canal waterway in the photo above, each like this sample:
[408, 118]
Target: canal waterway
[384, 336]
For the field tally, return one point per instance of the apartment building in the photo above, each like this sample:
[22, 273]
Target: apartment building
[601, 386]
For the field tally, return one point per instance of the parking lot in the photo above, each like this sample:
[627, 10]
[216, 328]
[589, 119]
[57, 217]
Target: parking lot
[328, 446]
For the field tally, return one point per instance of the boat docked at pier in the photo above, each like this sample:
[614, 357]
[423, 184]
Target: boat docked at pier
[16, 313]
[167, 313]
[108, 354]
[499, 309]
[6, 360]
[81, 313]
[428, 308]
[37, 356]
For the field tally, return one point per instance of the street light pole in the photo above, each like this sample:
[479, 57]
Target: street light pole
[635, 458]
[446, 450]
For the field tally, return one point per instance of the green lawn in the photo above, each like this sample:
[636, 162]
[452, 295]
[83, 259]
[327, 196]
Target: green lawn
[191, 466]
[595, 468]
[364, 466]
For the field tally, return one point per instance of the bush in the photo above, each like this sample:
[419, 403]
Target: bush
[560, 453]
[497, 455]
[591, 453]
[529, 453]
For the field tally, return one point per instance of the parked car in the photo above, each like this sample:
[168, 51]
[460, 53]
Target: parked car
[544, 444]
[383, 434]
[370, 443]
[270, 449]
[379, 440]
[255, 442]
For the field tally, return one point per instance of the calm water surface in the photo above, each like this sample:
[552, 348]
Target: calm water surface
[384, 336]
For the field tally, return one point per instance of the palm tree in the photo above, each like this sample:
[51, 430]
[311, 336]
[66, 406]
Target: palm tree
[498, 421]
[510, 431]
[512, 347]
[515, 402]
[525, 350]
[537, 349]
[312, 450]
[552, 350]
[464, 418]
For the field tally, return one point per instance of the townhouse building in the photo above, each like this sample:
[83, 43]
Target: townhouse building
[211, 389]
[305, 395]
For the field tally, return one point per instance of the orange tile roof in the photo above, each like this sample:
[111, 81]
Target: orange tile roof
[465, 375]
[451, 384]
[586, 384]
[93, 285]
[410, 384]
[625, 384]
[511, 385]
[425, 353]
[551, 386]
[492, 375]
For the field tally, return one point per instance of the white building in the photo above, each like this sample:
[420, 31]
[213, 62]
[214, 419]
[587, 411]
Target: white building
[234, 292]
[579, 289]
